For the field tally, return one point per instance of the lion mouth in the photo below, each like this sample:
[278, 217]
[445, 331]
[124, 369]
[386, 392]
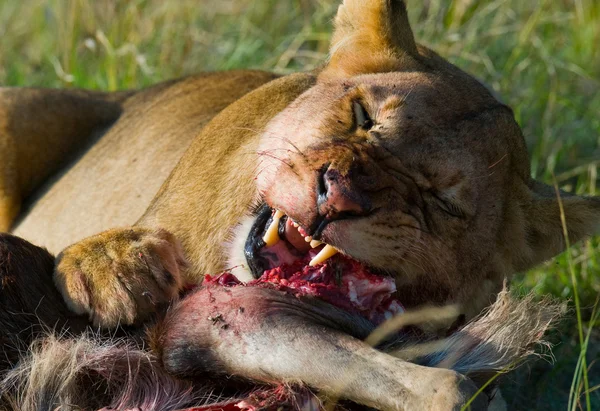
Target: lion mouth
[280, 253]
[275, 239]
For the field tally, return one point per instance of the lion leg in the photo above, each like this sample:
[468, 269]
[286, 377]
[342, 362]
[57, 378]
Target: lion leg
[29, 301]
[269, 336]
[39, 130]
[121, 276]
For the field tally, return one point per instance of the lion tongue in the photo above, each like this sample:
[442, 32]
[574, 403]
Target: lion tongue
[293, 236]
[297, 237]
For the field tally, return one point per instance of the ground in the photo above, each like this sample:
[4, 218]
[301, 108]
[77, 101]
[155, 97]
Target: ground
[540, 57]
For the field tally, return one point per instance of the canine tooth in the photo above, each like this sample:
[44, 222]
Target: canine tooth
[315, 243]
[272, 235]
[308, 239]
[327, 252]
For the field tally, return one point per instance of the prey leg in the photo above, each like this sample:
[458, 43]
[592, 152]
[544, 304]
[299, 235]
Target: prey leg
[266, 335]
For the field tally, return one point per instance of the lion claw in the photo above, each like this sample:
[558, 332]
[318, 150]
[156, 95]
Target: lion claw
[121, 276]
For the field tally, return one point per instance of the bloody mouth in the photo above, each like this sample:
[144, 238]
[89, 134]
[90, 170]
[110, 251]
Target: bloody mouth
[281, 255]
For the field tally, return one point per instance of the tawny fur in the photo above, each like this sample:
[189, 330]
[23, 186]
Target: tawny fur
[215, 141]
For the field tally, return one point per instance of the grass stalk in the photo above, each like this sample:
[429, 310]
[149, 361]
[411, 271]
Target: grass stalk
[582, 368]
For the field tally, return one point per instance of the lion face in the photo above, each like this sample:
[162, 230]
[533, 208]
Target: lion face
[408, 165]
[398, 170]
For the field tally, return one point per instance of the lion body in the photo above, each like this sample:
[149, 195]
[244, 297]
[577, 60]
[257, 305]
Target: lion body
[111, 180]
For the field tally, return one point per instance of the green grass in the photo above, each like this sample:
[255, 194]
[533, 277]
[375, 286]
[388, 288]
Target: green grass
[541, 57]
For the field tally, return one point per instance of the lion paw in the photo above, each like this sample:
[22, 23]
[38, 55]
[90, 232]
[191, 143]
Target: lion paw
[121, 276]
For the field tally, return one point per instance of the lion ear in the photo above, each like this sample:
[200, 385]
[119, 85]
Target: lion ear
[544, 226]
[371, 36]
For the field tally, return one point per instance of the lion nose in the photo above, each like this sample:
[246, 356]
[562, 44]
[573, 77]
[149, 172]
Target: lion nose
[338, 197]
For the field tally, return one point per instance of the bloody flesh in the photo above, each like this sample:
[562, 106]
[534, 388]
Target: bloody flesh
[340, 281]
[268, 398]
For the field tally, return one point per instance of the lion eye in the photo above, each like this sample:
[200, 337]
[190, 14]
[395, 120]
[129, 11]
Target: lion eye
[361, 116]
[448, 207]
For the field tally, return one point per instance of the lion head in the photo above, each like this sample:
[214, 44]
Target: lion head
[399, 160]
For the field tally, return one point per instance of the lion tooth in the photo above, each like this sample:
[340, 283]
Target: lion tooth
[327, 252]
[295, 224]
[308, 239]
[272, 235]
[315, 243]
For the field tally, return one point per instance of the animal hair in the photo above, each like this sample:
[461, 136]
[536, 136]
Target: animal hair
[90, 372]
[30, 304]
[501, 338]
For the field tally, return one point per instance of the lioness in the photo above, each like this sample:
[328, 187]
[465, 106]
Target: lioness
[388, 155]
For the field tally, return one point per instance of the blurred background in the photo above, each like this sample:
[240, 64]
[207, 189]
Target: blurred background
[541, 57]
